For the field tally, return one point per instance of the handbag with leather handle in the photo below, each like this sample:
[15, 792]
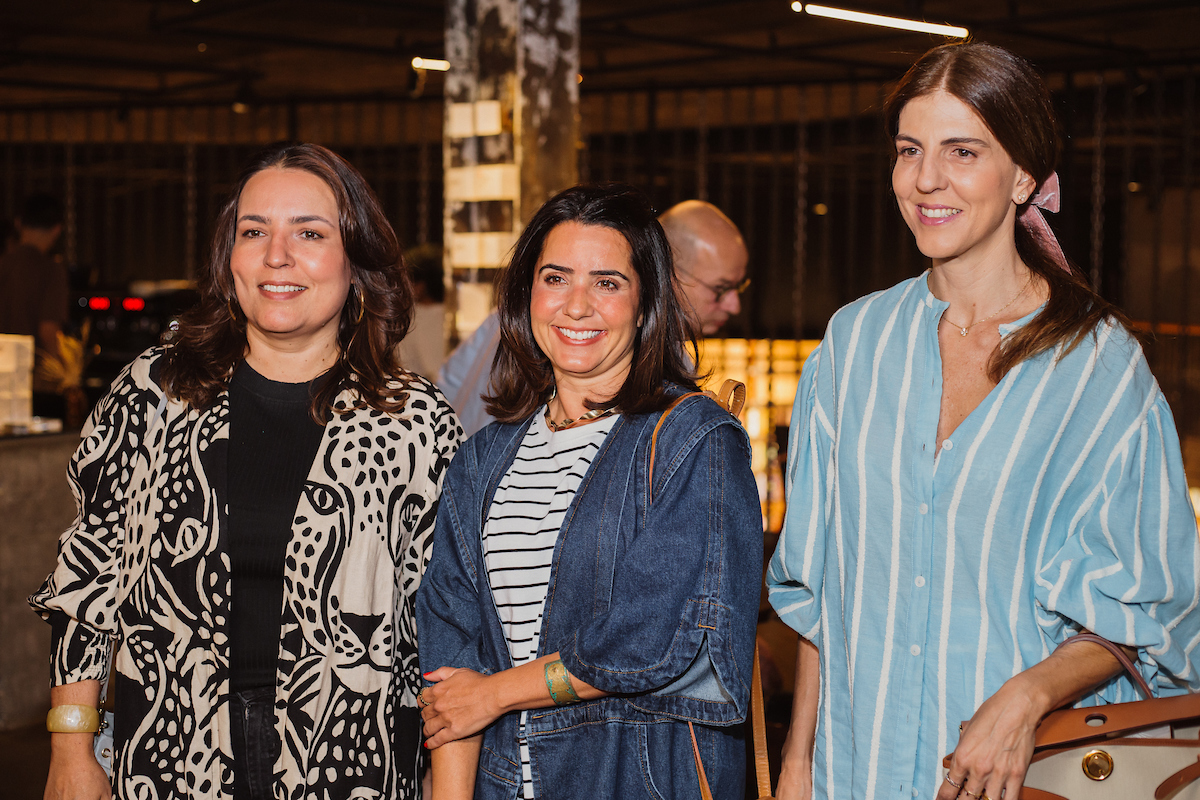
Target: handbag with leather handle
[1124, 751]
[731, 397]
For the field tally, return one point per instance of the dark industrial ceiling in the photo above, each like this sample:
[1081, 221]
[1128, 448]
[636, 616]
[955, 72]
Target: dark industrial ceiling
[152, 52]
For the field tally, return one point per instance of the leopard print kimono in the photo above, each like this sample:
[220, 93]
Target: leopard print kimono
[145, 570]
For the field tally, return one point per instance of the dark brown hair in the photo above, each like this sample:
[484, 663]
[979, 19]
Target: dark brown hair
[522, 376]
[211, 338]
[1012, 100]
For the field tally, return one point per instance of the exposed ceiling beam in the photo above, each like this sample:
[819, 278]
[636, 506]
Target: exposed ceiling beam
[202, 13]
[20, 56]
[657, 10]
[801, 54]
[1080, 13]
[295, 41]
[1076, 41]
[69, 86]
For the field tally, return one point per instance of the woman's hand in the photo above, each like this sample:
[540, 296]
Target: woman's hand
[74, 772]
[463, 702]
[996, 746]
[795, 780]
[458, 705]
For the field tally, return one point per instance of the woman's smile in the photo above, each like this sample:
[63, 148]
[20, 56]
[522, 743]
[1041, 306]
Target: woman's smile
[936, 215]
[578, 336]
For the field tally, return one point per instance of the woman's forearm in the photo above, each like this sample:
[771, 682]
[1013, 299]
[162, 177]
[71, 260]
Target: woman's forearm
[803, 730]
[795, 774]
[463, 702]
[1069, 673]
[524, 687]
[454, 767]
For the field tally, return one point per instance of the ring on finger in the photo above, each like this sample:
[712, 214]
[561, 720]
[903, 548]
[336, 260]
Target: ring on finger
[952, 783]
[421, 701]
[969, 793]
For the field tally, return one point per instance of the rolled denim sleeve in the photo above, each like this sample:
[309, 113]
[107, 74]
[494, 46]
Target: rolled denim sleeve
[691, 572]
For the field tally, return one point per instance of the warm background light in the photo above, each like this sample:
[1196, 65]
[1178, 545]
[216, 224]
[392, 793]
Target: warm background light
[436, 64]
[879, 19]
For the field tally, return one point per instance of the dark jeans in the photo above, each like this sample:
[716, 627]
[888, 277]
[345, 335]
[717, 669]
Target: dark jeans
[255, 743]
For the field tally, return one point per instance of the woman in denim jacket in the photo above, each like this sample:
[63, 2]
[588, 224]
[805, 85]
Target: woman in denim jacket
[579, 673]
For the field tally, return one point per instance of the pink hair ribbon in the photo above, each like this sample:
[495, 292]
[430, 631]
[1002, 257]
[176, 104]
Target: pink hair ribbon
[1046, 199]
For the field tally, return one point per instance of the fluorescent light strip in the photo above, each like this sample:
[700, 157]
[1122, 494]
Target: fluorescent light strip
[879, 19]
[435, 64]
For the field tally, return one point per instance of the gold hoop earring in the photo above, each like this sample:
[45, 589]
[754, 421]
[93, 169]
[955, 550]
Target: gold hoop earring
[232, 311]
[362, 306]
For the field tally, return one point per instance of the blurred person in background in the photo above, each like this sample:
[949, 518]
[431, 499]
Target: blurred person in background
[423, 349]
[33, 286]
[256, 503]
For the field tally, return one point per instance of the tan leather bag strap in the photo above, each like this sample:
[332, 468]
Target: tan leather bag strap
[1119, 654]
[731, 397]
[705, 792]
[758, 717]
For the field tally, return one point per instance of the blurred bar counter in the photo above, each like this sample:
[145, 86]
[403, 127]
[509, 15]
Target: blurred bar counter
[35, 507]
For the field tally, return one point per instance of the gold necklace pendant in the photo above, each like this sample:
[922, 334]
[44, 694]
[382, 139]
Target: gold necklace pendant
[595, 413]
[964, 330]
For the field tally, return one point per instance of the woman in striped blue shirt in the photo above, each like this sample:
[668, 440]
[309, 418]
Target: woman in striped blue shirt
[981, 466]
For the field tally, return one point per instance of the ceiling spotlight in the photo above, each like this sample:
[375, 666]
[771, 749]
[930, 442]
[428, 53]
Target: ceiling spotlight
[435, 64]
[878, 19]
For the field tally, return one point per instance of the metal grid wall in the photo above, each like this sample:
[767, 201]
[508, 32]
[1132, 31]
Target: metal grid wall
[142, 186]
[803, 170]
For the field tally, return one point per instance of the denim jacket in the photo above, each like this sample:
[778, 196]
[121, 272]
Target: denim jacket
[652, 602]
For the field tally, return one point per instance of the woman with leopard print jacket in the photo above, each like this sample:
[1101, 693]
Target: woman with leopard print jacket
[256, 504]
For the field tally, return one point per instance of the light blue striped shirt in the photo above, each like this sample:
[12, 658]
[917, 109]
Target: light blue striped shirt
[928, 580]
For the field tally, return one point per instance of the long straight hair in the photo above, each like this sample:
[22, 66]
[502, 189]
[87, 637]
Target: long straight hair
[522, 375]
[1012, 100]
[211, 338]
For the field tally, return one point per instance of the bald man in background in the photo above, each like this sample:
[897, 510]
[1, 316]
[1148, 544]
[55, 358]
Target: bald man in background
[710, 263]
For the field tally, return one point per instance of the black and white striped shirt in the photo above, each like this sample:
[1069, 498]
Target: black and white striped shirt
[522, 529]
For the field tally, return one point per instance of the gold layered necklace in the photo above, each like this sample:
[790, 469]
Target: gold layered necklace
[963, 330]
[595, 413]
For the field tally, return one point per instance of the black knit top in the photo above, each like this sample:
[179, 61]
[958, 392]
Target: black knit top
[272, 443]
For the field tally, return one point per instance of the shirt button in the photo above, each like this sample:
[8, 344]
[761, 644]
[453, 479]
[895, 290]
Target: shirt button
[947, 445]
[915, 650]
[924, 508]
[920, 581]
[915, 792]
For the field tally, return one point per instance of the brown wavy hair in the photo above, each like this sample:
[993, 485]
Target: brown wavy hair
[211, 338]
[1012, 100]
[522, 376]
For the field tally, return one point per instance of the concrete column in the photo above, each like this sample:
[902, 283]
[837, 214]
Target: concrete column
[510, 134]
